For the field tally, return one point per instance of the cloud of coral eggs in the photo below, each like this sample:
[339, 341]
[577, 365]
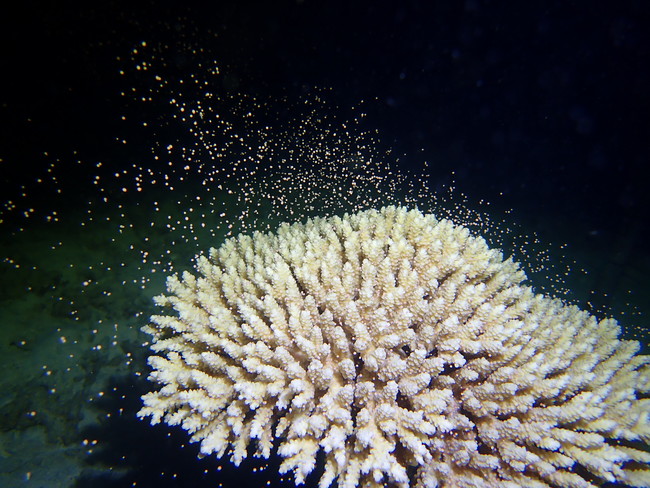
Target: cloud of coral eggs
[403, 348]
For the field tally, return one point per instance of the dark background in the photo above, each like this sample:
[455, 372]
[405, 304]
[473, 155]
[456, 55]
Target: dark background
[545, 103]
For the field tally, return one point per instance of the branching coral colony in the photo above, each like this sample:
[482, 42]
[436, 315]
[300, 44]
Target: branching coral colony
[406, 350]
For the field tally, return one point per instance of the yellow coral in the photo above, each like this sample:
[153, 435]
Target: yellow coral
[403, 348]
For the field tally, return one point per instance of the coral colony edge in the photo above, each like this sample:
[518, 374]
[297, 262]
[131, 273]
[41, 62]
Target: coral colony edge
[406, 351]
